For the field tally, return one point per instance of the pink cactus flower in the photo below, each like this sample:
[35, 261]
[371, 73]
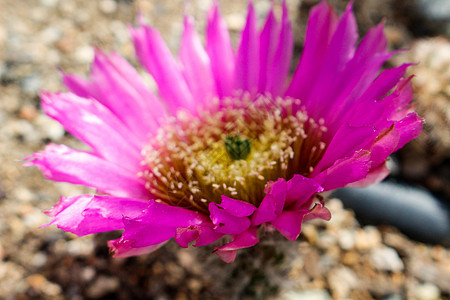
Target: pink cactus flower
[233, 144]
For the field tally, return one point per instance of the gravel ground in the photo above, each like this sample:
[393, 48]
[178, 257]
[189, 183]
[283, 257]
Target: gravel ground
[332, 260]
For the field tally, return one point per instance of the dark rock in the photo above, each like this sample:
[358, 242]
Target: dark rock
[413, 211]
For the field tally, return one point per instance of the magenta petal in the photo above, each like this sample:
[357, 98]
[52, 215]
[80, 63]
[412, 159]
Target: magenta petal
[267, 47]
[282, 59]
[86, 214]
[409, 128]
[154, 55]
[237, 208]
[185, 236]
[159, 222]
[207, 235]
[391, 107]
[321, 26]
[201, 235]
[345, 142]
[272, 204]
[196, 63]
[289, 223]
[121, 248]
[384, 145]
[339, 53]
[117, 85]
[227, 256]
[247, 58]
[403, 95]
[226, 223]
[384, 83]
[300, 189]
[218, 46]
[356, 77]
[95, 125]
[246, 239]
[318, 211]
[78, 85]
[345, 171]
[60, 163]
[375, 175]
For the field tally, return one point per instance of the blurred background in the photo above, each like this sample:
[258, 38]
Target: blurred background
[386, 242]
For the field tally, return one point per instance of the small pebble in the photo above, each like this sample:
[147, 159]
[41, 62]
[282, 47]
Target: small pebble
[50, 3]
[84, 54]
[427, 291]
[31, 84]
[346, 239]
[107, 6]
[87, 274]
[386, 259]
[81, 246]
[342, 280]
[307, 295]
[102, 286]
[367, 238]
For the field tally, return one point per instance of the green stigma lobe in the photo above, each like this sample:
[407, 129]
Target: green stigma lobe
[236, 147]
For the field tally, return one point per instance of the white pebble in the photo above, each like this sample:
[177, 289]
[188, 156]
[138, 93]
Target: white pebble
[386, 259]
[107, 6]
[427, 291]
[84, 54]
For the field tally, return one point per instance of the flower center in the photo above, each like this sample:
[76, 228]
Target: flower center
[234, 148]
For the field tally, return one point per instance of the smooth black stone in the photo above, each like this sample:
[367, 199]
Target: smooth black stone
[415, 212]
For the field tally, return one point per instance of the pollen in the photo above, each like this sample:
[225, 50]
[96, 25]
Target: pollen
[233, 148]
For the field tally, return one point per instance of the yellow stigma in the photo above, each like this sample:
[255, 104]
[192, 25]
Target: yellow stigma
[234, 149]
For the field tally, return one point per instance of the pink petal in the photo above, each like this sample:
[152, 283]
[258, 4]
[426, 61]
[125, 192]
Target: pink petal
[60, 163]
[409, 128]
[318, 211]
[95, 125]
[201, 235]
[289, 223]
[273, 203]
[117, 85]
[87, 214]
[384, 83]
[237, 208]
[400, 106]
[246, 239]
[154, 55]
[282, 59]
[218, 47]
[391, 107]
[340, 51]
[345, 171]
[356, 77]
[185, 236]
[375, 175]
[79, 86]
[159, 223]
[225, 222]
[300, 189]
[384, 145]
[247, 59]
[267, 47]
[121, 248]
[346, 141]
[196, 63]
[321, 26]
[227, 256]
